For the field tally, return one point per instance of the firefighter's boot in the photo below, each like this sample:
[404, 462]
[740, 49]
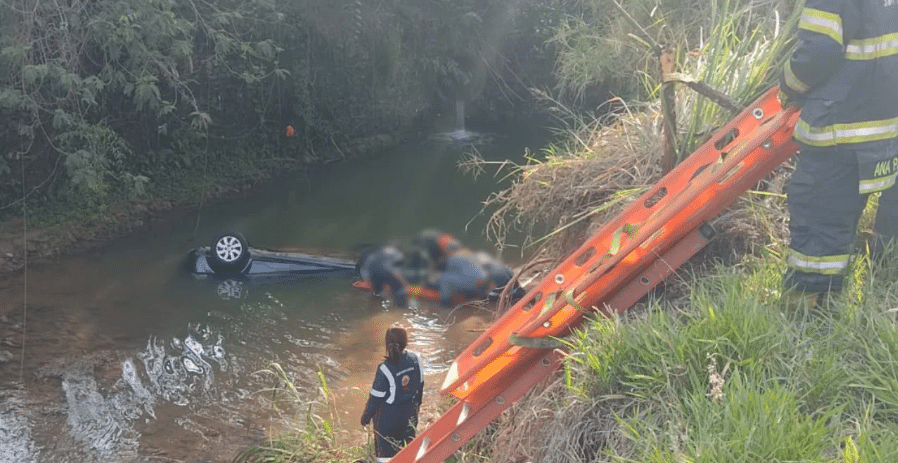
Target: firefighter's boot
[794, 300]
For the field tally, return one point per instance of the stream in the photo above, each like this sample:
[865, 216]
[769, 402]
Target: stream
[121, 355]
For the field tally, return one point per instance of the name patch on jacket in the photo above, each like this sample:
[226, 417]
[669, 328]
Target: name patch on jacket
[876, 175]
[884, 168]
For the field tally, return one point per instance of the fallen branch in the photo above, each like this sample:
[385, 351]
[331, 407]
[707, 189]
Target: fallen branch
[721, 99]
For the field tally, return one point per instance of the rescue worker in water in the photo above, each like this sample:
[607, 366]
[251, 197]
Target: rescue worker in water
[499, 275]
[459, 273]
[844, 75]
[381, 268]
[395, 397]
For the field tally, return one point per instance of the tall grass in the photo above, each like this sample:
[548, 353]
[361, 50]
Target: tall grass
[741, 56]
[600, 163]
[311, 423]
[739, 374]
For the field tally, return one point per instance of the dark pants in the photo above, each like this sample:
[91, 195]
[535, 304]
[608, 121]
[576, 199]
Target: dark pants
[394, 428]
[825, 206]
[381, 277]
[380, 271]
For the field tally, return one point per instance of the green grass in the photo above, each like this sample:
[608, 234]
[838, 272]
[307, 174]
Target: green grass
[794, 383]
[741, 56]
[311, 435]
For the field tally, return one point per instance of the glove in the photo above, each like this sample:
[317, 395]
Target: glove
[366, 420]
[785, 101]
[789, 97]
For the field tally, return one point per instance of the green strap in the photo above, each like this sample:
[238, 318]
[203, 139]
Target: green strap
[569, 296]
[630, 229]
[549, 302]
[534, 343]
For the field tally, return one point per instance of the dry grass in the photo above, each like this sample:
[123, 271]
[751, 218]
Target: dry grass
[580, 183]
[757, 222]
[552, 426]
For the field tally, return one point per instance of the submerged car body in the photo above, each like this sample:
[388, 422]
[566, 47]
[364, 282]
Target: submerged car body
[234, 265]
[230, 257]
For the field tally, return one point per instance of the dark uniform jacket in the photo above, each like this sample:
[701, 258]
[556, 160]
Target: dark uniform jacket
[844, 74]
[395, 386]
[463, 275]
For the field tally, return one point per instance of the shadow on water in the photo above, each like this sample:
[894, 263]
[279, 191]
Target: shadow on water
[123, 356]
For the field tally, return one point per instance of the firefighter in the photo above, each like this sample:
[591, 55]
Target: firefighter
[438, 246]
[500, 275]
[463, 278]
[382, 266]
[844, 75]
[395, 397]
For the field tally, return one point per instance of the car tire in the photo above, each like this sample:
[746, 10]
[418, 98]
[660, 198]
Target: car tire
[229, 252]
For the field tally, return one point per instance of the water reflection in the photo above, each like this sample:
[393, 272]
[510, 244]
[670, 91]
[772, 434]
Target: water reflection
[231, 289]
[102, 422]
[104, 419]
[463, 137]
[179, 368]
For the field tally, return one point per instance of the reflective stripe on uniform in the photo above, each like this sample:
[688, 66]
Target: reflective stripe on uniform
[391, 380]
[824, 265]
[874, 185]
[377, 393]
[793, 81]
[855, 132]
[872, 48]
[822, 22]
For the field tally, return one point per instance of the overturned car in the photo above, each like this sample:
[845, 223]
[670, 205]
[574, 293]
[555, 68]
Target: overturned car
[230, 257]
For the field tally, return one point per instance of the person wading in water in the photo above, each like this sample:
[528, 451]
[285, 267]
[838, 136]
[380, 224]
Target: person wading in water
[395, 397]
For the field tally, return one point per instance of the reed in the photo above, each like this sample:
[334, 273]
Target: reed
[309, 434]
[599, 163]
[741, 56]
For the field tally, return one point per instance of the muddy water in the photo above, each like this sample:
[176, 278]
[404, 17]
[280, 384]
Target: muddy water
[121, 356]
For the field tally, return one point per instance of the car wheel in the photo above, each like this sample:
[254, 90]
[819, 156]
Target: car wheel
[229, 252]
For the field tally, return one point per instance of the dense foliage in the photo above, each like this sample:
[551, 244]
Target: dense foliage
[108, 99]
[101, 100]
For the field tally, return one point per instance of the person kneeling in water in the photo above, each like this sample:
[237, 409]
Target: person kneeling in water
[463, 278]
[380, 266]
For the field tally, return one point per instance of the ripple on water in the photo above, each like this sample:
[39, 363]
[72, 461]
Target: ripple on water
[16, 444]
[100, 422]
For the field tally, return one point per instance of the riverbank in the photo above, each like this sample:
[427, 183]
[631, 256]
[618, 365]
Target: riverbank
[22, 243]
